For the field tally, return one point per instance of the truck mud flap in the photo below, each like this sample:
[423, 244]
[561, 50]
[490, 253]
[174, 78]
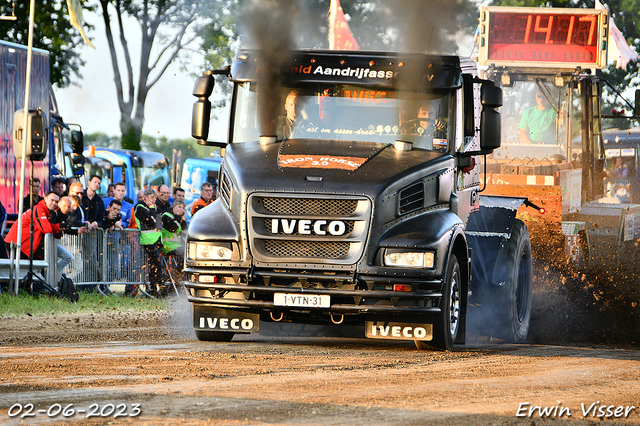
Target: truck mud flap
[217, 319]
[398, 330]
[487, 231]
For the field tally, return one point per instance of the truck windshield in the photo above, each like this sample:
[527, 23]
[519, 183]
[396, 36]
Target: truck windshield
[347, 112]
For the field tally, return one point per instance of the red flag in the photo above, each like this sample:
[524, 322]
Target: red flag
[340, 36]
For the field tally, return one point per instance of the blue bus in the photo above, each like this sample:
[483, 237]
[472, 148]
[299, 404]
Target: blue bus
[137, 169]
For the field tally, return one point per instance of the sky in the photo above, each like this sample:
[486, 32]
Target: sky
[93, 103]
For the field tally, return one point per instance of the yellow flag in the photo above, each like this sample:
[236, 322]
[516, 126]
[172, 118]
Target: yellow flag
[75, 13]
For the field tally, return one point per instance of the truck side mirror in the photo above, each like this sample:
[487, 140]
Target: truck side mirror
[491, 96]
[77, 142]
[77, 164]
[636, 105]
[201, 113]
[490, 128]
[37, 133]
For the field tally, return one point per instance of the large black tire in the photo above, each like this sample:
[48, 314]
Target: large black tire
[514, 311]
[213, 336]
[446, 323]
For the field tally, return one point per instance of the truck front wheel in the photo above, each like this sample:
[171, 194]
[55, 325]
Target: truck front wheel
[213, 336]
[447, 322]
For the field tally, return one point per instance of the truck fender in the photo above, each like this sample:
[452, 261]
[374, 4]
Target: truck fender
[213, 220]
[442, 231]
[488, 230]
[433, 230]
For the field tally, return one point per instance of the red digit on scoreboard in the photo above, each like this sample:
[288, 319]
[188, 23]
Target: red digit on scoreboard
[592, 27]
[545, 30]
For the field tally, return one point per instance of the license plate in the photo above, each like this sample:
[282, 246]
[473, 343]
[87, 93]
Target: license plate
[302, 300]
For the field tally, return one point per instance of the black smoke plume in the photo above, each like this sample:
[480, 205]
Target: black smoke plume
[269, 26]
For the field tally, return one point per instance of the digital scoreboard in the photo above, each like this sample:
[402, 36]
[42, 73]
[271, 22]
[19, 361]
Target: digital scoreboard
[543, 37]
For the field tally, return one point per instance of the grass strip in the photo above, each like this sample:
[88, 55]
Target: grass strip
[24, 304]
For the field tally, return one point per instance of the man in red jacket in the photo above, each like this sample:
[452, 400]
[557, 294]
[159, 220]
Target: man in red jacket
[41, 226]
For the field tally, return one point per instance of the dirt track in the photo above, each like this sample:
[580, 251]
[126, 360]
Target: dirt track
[581, 355]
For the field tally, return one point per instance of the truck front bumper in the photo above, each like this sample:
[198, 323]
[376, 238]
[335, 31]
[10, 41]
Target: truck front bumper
[417, 296]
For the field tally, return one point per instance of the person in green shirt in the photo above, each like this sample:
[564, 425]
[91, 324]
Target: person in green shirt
[173, 223]
[150, 225]
[174, 227]
[538, 123]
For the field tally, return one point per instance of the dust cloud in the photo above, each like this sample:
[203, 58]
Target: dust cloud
[180, 324]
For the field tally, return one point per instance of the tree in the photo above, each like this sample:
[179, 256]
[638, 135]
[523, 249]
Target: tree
[52, 31]
[166, 30]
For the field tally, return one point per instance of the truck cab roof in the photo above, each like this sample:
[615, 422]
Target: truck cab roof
[381, 69]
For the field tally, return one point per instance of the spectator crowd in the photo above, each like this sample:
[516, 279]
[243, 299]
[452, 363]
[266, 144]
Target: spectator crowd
[68, 208]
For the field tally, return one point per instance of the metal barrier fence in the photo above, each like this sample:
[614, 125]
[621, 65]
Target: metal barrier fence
[100, 257]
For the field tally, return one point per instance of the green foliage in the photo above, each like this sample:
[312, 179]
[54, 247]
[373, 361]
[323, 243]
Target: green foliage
[188, 147]
[52, 31]
[102, 140]
[23, 304]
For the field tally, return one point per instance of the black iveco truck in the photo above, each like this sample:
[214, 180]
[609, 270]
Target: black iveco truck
[349, 194]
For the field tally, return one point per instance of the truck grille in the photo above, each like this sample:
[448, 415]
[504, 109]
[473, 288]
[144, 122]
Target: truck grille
[315, 229]
[307, 249]
[310, 206]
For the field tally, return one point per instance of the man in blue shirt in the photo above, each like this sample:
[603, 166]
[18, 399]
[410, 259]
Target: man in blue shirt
[118, 194]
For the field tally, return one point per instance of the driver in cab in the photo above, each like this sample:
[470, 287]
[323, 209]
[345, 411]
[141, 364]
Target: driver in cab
[425, 125]
[293, 119]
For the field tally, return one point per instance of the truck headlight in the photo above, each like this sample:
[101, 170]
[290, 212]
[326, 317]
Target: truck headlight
[210, 251]
[408, 259]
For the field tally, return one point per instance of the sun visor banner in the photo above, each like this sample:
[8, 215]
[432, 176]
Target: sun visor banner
[357, 68]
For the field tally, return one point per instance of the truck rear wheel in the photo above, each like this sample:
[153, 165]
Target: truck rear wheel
[447, 322]
[516, 297]
[213, 336]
